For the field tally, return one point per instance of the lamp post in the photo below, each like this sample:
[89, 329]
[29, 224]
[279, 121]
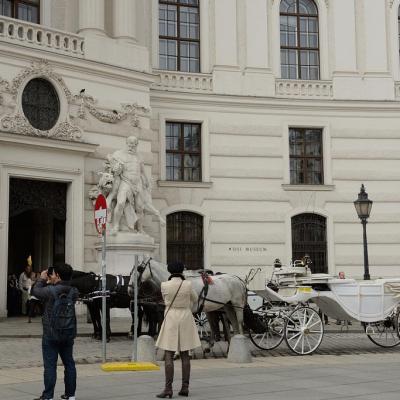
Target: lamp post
[363, 207]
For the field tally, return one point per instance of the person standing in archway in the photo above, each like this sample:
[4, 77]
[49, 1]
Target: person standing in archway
[24, 284]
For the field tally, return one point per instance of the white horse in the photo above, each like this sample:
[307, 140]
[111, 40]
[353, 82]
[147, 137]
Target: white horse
[226, 291]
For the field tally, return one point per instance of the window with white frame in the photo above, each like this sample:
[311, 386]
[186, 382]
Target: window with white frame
[306, 156]
[179, 35]
[299, 38]
[27, 10]
[183, 151]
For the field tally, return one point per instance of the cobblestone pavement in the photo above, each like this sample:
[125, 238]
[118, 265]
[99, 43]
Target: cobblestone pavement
[26, 352]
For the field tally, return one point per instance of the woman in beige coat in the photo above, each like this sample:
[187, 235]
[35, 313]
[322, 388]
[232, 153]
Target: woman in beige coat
[178, 331]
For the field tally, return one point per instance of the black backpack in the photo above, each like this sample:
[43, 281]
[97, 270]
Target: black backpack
[63, 318]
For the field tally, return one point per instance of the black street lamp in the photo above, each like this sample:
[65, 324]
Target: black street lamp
[363, 207]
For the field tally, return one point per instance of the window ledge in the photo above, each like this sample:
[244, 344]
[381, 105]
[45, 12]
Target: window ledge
[308, 188]
[183, 184]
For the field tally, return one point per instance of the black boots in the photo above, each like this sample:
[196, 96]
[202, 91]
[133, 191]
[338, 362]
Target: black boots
[169, 375]
[185, 374]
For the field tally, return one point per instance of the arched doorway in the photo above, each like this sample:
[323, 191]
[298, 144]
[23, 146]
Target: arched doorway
[309, 237]
[185, 239]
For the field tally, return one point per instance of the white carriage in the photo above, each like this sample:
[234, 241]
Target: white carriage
[288, 313]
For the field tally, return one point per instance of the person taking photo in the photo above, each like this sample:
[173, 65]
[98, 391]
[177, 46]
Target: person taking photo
[59, 328]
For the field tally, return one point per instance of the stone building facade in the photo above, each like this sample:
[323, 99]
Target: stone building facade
[258, 121]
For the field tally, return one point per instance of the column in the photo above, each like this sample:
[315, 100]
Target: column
[227, 76]
[345, 49]
[375, 39]
[225, 33]
[124, 19]
[91, 16]
[258, 78]
[256, 34]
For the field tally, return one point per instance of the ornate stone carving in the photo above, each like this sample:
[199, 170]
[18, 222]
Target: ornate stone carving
[391, 3]
[4, 86]
[112, 117]
[17, 123]
[28, 194]
[40, 68]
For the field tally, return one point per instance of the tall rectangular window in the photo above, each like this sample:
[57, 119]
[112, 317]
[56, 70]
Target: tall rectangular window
[27, 10]
[306, 158]
[183, 148]
[299, 39]
[179, 30]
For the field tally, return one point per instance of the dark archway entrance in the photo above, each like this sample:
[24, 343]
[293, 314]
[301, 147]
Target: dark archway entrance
[185, 239]
[309, 237]
[37, 215]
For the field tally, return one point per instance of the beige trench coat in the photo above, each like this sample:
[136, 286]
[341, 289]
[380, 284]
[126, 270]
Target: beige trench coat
[178, 331]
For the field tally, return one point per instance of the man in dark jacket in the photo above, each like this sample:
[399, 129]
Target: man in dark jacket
[55, 282]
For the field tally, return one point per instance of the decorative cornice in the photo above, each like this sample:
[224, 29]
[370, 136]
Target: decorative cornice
[38, 69]
[18, 124]
[112, 117]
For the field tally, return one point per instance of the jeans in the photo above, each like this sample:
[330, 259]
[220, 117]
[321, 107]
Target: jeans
[51, 349]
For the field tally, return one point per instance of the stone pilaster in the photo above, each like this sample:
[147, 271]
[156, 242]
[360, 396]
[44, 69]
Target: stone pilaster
[91, 16]
[124, 20]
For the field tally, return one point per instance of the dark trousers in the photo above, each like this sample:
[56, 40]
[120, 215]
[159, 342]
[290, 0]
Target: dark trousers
[51, 349]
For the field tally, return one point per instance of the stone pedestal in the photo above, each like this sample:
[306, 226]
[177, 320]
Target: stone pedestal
[121, 250]
[239, 351]
[146, 349]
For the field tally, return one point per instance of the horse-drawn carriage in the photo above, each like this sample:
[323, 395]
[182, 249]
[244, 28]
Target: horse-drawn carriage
[288, 310]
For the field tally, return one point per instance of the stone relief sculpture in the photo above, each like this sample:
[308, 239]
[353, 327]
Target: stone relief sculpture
[16, 122]
[127, 189]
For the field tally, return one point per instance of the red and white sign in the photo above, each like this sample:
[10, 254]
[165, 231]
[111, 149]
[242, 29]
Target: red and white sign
[100, 213]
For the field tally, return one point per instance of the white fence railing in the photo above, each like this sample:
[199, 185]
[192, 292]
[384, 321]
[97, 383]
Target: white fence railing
[171, 80]
[38, 36]
[304, 89]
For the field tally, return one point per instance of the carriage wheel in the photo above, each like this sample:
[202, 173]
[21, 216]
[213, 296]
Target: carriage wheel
[203, 326]
[272, 337]
[304, 330]
[384, 333]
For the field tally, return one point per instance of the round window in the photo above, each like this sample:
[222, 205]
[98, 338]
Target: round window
[40, 104]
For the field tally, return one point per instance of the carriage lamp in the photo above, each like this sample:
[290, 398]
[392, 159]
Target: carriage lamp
[363, 207]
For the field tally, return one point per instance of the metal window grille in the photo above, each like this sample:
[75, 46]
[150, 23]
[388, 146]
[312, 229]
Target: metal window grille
[309, 237]
[185, 239]
[40, 104]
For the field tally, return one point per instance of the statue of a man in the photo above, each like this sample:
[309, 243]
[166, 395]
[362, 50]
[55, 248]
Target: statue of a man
[127, 188]
[129, 181]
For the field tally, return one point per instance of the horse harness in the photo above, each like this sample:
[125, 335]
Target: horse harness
[204, 291]
[205, 276]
